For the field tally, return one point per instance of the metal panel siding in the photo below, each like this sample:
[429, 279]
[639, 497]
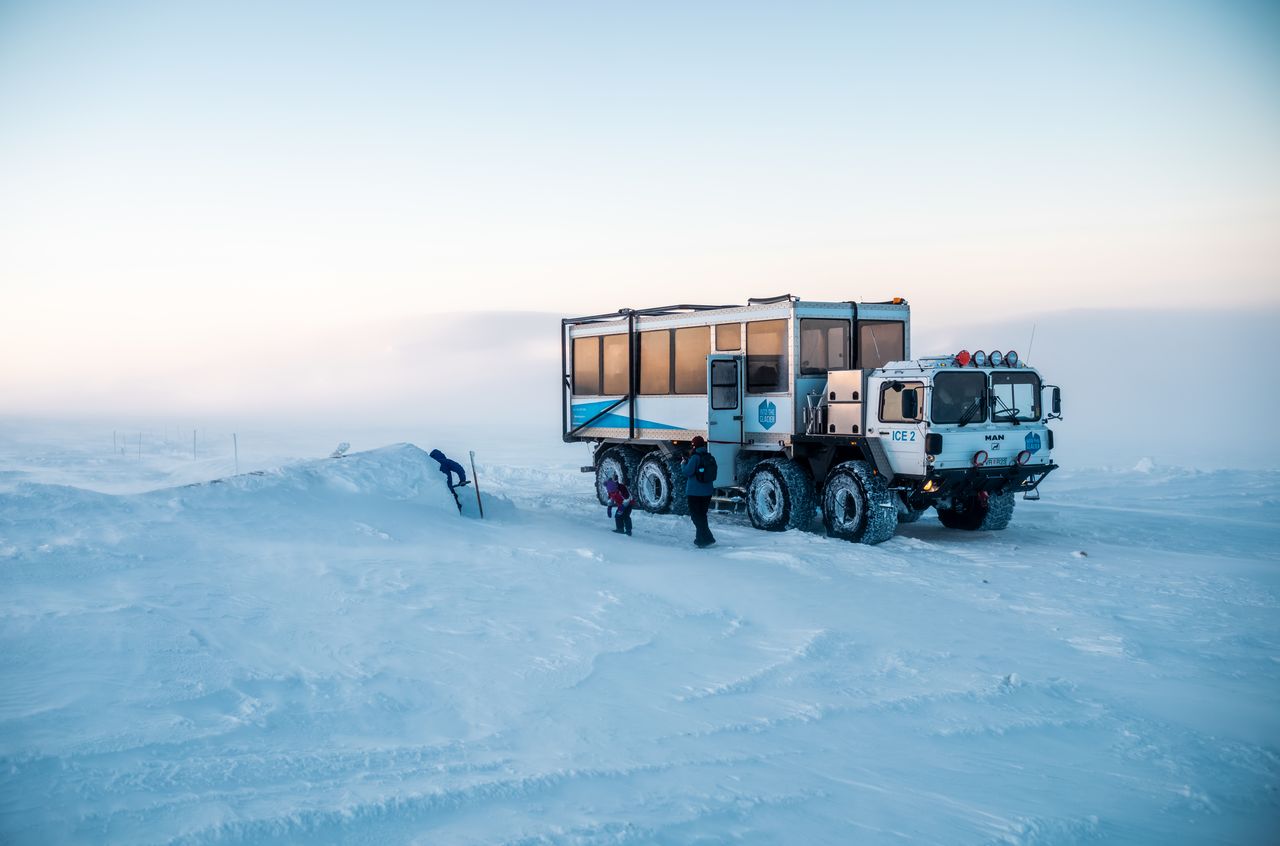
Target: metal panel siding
[685, 412]
[844, 418]
[757, 416]
[651, 435]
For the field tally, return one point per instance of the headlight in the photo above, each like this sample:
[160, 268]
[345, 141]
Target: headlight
[997, 358]
[979, 359]
[1011, 358]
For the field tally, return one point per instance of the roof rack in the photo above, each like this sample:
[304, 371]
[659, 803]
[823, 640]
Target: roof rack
[623, 312]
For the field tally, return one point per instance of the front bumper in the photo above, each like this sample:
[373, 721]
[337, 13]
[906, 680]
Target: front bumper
[960, 483]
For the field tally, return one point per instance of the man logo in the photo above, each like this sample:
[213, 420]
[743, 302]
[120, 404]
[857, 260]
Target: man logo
[768, 414]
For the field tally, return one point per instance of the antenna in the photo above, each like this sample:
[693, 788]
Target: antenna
[1031, 343]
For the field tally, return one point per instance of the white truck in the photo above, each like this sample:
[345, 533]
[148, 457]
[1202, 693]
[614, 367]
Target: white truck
[807, 407]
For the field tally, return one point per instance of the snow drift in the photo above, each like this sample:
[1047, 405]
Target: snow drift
[327, 653]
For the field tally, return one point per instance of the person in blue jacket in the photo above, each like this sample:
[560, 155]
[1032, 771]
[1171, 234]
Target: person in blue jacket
[698, 493]
[449, 467]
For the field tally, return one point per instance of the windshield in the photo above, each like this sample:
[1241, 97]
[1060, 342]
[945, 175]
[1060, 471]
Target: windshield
[1015, 396]
[958, 397]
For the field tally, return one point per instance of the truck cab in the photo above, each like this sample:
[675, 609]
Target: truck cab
[954, 429]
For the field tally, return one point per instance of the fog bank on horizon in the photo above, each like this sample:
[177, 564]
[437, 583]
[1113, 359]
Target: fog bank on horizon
[1158, 384]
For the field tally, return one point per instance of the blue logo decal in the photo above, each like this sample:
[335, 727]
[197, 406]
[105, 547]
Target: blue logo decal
[768, 414]
[1033, 441]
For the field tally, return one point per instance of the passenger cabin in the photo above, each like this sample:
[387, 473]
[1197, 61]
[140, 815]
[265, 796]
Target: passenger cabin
[666, 374]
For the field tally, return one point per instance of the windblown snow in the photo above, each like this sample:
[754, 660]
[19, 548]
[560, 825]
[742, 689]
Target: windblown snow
[327, 652]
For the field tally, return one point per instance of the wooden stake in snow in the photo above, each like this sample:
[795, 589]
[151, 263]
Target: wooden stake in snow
[475, 481]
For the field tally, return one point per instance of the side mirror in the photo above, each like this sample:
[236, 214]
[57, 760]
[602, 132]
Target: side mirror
[1055, 403]
[911, 404]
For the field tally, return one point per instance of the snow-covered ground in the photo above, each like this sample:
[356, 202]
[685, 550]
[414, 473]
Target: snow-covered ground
[327, 652]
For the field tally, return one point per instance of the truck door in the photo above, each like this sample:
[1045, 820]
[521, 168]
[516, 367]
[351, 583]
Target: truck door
[724, 414]
[899, 421]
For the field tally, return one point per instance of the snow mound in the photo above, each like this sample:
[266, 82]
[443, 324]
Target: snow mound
[398, 473]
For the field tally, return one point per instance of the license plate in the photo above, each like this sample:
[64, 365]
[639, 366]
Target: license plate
[998, 462]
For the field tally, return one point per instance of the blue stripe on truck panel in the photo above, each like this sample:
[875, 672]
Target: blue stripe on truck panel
[584, 412]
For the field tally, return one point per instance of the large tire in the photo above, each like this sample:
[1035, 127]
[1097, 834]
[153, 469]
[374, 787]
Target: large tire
[779, 495]
[620, 463]
[857, 504]
[907, 514]
[979, 513]
[659, 486]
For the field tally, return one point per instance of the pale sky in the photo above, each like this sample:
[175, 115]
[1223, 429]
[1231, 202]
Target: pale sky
[176, 176]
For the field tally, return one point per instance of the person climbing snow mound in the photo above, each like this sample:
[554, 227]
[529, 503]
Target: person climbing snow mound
[449, 467]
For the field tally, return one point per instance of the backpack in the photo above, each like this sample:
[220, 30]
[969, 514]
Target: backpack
[706, 471]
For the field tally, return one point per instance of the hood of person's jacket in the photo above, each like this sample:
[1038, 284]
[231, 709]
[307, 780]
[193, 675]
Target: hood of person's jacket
[436, 454]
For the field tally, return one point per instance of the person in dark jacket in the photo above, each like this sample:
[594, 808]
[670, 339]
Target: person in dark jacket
[449, 467]
[620, 503]
[698, 493]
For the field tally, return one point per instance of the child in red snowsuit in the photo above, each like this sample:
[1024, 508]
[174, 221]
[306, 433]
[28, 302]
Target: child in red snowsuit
[620, 503]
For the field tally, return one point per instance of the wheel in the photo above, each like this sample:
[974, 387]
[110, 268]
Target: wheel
[981, 512]
[907, 514]
[619, 463]
[659, 486]
[779, 495]
[857, 504]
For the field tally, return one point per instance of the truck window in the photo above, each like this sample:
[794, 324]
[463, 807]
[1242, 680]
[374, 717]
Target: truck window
[724, 385]
[586, 367]
[955, 394]
[692, 346]
[615, 365]
[1015, 392]
[891, 403]
[729, 337]
[880, 342]
[767, 356]
[824, 345]
[655, 362]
